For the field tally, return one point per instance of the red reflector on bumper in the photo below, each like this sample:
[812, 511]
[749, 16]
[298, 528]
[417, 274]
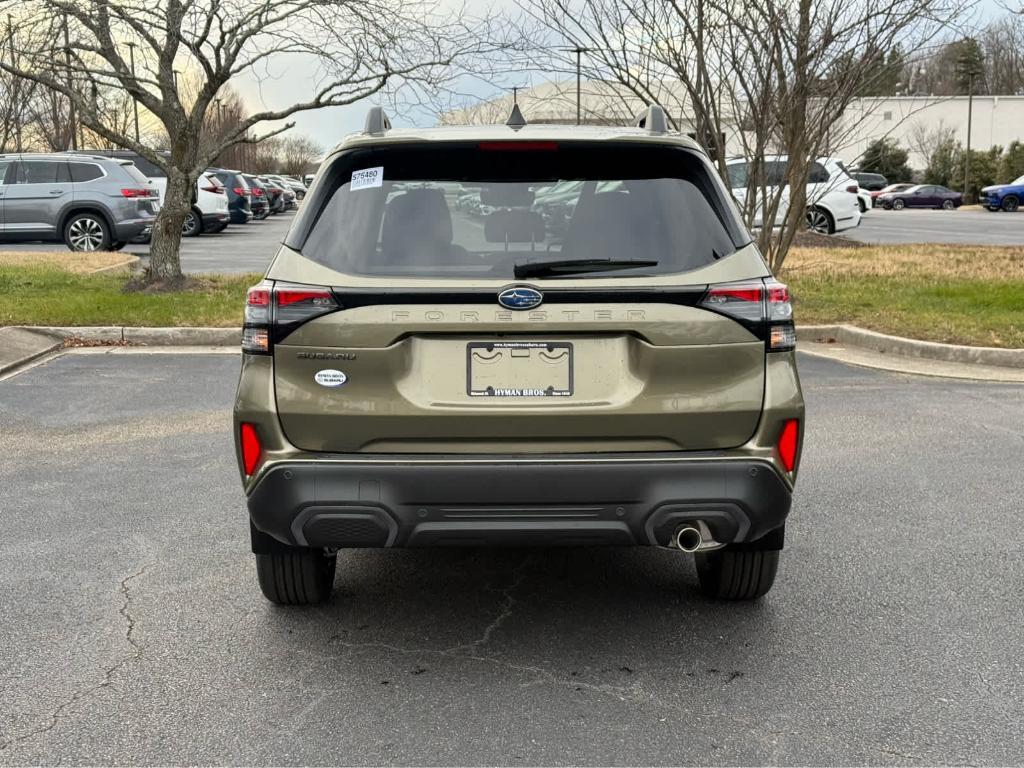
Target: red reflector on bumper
[252, 450]
[788, 442]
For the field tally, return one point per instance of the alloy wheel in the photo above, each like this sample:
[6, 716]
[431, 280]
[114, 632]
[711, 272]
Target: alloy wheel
[898, 205]
[85, 234]
[817, 221]
[948, 205]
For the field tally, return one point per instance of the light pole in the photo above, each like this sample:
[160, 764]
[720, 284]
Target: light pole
[970, 111]
[135, 102]
[579, 51]
[15, 86]
[71, 102]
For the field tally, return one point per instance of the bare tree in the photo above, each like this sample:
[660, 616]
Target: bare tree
[298, 155]
[187, 51]
[925, 138]
[774, 76]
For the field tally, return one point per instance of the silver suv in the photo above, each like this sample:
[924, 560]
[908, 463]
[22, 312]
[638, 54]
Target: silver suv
[89, 203]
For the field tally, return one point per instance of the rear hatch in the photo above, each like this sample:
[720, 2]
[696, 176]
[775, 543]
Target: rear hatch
[425, 303]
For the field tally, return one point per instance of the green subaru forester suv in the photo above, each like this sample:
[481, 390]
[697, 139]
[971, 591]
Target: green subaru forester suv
[524, 335]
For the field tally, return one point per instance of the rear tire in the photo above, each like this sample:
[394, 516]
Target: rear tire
[862, 206]
[296, 575]
[193, 224]
[86, 232]
[737, 574]
[1011, 203]
[948, 205]
[820, 221]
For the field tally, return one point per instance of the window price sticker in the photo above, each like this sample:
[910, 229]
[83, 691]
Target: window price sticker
[367, 178]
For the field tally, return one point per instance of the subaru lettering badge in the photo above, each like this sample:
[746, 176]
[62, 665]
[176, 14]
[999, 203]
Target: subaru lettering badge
[520, 297]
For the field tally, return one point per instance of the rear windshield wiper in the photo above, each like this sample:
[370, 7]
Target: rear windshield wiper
[578, 266]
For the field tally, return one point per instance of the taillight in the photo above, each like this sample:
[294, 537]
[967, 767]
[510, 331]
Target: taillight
[213, 188]
[789, 439]
[257, 192]
[241, 191]
[852, 188]
[137, 192]
[252, 449]
[273, 311]
[762, 306]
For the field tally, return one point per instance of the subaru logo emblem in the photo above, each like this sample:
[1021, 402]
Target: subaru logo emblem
[520, 297]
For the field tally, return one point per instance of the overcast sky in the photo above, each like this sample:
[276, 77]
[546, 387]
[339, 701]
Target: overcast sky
[285, 81]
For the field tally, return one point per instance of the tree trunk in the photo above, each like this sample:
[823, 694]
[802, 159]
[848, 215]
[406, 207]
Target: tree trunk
[164, 258]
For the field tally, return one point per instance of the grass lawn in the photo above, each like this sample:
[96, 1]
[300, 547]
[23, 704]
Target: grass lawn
[79, 263]
[956, 294]
[50, 295]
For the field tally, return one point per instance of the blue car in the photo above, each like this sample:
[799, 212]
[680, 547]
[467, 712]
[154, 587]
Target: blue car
[1006, 197]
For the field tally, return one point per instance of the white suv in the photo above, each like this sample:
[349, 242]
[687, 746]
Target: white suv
[831, 192]
[210, 210]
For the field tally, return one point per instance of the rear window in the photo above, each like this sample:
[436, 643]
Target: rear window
[82, 172]
[477, 211]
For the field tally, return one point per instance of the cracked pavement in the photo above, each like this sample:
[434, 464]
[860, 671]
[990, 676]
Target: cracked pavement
[132, 630]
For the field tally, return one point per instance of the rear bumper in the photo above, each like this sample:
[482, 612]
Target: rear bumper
[126, 231]
[475, 501]
[214, 219]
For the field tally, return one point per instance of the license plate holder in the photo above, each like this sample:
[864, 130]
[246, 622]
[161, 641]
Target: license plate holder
[519, 369]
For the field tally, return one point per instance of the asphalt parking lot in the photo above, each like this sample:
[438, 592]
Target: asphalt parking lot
[968, 227]
[241, 248]
[132, 630]
[250, 247]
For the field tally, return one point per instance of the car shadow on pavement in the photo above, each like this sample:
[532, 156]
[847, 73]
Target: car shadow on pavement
[565, 615]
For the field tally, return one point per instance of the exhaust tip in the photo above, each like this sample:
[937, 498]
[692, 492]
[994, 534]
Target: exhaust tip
[688, 538]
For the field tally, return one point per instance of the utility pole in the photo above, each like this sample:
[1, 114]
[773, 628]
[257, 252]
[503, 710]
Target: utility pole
[71, 102]
[135, 102]
[15, 87]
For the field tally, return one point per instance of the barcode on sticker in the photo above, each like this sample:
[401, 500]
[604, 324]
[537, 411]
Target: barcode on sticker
[367, 178]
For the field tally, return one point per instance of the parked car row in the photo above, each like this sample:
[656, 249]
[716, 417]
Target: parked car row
[103, 199]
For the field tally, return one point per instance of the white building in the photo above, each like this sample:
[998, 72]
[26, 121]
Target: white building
[917, 123]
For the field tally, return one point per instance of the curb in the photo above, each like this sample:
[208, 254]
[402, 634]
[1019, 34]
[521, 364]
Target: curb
[142, 336]
[853, 336]
[130, 263]
[20, 346]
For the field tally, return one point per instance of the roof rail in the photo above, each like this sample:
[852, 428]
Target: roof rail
[377, 121]
[653, 119]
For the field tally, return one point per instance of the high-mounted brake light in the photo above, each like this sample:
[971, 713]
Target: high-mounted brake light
[518, 146]
[274, 311]
[789, 439]
[762, 306]
[252, 449]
